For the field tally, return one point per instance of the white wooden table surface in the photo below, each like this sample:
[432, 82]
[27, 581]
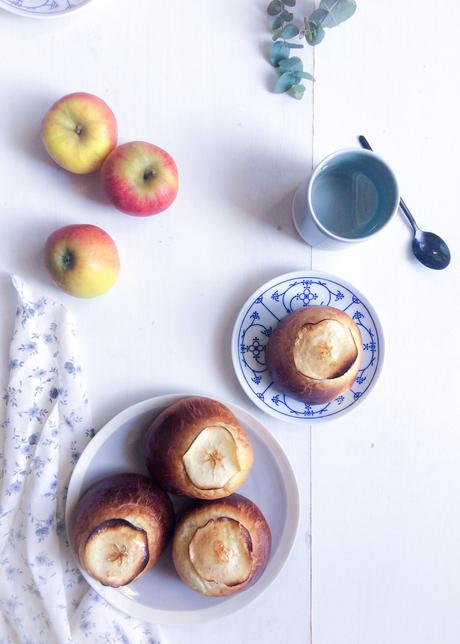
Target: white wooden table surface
[386, 480]
[383, 481]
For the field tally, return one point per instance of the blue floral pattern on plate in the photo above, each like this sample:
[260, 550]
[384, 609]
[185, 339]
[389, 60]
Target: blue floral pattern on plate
[43, 8]
[274, 301]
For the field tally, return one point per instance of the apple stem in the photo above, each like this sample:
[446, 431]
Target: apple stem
[68, 259]
[149, 174]
[79, 129]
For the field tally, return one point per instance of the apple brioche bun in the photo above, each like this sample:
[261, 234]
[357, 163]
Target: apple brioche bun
[314, 354]
[197, 448]
[220, 547]
[119, 528]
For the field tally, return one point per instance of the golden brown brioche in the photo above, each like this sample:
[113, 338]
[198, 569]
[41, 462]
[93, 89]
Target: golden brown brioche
[197, 448]
[119, 528]
[314, 354]
[221, 547]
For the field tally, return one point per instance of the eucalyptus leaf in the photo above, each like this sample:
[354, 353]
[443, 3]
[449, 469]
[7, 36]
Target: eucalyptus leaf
[305, 75]
[338, 11]
[287, 16]
[275, 7]
[313, 33]
[284, 82]
[318, 16]
[289, 31]
[293, 64]
[291, 74]
[298, 91]
[278, 51]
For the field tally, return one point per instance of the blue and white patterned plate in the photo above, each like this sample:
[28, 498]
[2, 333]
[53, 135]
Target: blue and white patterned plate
[262, 312]
[43, 8]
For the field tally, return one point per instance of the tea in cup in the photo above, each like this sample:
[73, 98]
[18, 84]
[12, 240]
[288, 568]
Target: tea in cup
[351, 195]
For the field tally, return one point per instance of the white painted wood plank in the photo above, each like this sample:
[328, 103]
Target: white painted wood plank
[385, 480]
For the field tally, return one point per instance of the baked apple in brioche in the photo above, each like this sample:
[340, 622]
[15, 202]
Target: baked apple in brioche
[197, 448]
[314, 354]
[220, 547]
[119, 528]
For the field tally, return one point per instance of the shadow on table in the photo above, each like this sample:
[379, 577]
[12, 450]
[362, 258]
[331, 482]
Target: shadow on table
[31, 262]
[26, 112]
[8, 307]
[260, 184]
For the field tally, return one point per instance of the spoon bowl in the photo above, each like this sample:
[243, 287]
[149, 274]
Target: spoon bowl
[428, 248]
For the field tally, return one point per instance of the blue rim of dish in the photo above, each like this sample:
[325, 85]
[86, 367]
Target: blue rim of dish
[16, 7]
[251, 378]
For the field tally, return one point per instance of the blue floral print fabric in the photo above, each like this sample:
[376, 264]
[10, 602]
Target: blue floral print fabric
[46, 423]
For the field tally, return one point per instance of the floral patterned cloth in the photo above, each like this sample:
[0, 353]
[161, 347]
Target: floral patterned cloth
[46, 423]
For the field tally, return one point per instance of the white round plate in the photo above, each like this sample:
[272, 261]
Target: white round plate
[271, 303]
[160, 597]
[43, 8]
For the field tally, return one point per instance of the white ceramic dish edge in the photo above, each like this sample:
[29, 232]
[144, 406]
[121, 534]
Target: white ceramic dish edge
[275, 564]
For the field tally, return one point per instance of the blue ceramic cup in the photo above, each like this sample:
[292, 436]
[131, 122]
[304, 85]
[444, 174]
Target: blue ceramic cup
[351, 195]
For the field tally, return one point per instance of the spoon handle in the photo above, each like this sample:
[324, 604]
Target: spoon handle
[407, 212]
[402, 204]
[364, 143]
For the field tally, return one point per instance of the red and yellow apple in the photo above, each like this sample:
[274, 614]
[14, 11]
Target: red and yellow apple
[83, 260]
[140, 178]
[79, 131]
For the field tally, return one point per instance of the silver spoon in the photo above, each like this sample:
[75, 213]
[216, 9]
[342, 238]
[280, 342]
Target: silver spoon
[428, 248]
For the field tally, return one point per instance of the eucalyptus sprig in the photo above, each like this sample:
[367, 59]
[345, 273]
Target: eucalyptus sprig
[330, 13]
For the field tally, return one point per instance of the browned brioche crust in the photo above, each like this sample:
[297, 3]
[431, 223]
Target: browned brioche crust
[131, 497]
[172, 433]
[280, 361]
[238, 508]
